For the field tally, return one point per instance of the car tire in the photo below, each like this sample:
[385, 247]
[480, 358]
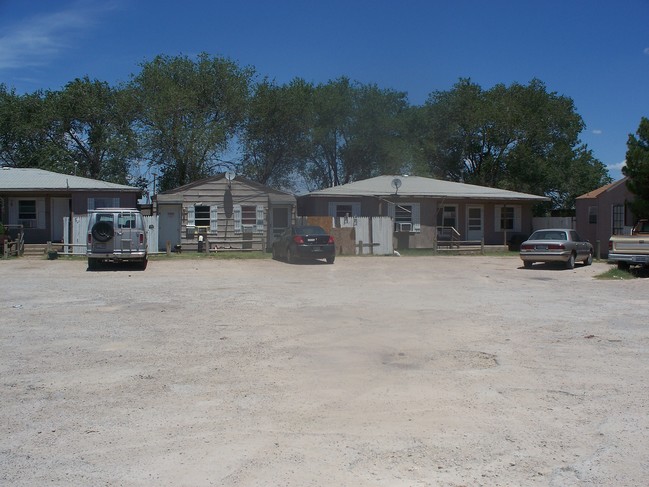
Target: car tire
[102, 231]
[93, 264]
[275, 254]
[142, 264]
[527, 264]
[570, 263]
[330, 260]
[623, 266]
[290, 256]
[589, 259]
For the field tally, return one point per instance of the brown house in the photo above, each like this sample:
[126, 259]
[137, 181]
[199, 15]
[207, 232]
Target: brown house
[39, 200]
[604, 212]
[425, 210]
[222, 212]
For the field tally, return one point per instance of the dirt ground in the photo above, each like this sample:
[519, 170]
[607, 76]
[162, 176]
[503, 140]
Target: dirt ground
[374, 371]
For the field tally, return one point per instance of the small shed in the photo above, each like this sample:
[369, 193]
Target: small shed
[604, 212]
[39, 200]
[222, 212]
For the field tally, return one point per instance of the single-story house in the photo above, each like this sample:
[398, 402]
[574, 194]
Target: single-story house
[223, 212]
[427, 210]
[39, 200]
[604, 212]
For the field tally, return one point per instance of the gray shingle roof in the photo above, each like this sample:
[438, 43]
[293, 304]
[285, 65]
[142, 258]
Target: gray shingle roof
[420, 186]
[29, 179]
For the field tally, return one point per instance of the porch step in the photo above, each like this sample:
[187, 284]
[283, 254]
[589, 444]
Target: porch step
[34, 250]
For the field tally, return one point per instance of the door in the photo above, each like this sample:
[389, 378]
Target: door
[60, 210]
[169, 225]
[474, 223]
[281, 219]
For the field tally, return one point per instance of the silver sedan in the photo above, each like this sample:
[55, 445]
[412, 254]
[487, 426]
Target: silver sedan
[556, 245]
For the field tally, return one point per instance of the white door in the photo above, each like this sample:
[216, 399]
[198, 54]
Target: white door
[169, 225]
[474, 223]
[60, 210]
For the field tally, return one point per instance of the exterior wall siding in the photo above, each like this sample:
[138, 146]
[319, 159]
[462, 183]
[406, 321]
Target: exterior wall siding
[371, 206]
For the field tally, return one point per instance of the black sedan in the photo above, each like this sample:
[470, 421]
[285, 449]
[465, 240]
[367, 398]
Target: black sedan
[304, 242]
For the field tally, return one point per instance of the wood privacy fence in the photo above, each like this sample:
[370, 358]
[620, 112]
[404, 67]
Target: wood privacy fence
[76, 243]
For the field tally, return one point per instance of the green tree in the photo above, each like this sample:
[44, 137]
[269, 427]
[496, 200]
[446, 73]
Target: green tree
[637, 169]
[94, 122]
[518, 137]
[26, 135]
[356, 133]
[275, 139]
[188, 112]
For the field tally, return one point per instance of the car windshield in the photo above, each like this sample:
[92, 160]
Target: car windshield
[311, 230]
[549, 235]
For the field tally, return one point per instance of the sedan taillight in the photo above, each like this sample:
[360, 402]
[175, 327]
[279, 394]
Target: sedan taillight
[298, 240]
[331, 240]
[556, 247]
[527, 247]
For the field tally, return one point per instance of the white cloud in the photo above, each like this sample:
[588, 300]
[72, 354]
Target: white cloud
[617, 167]
[646, 51]
[597, 132]
[38, 40]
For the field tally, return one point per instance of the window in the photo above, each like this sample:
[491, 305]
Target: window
[447, 216]
[248, 215]
[95, 203]
[344, 210]
[201, 216]
[508, 218]
[27, 213]
[405, 216]
[618, 219]
[592, 214]
[248, 218]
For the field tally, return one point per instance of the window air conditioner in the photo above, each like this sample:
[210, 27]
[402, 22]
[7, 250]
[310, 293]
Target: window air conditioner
[404, 227]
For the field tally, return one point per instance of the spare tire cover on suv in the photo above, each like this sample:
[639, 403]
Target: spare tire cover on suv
[103, 231]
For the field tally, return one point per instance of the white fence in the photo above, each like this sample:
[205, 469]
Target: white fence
[375, 233]
[77, 241]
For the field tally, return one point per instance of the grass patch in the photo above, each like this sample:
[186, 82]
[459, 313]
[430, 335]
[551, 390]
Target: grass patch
[616, 274]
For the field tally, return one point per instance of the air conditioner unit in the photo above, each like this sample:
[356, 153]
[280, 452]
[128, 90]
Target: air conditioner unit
[404, 227]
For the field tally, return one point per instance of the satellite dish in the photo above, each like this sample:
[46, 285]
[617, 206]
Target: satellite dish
[229, 175]
[396, 184]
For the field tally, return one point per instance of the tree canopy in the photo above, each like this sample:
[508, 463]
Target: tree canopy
[188, 111]
[183, 116]
[518, 137]
[637, 169]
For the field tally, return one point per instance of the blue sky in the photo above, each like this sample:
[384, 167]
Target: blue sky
[595, 52]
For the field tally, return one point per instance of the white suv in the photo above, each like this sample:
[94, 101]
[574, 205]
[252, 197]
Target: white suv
[116, 235]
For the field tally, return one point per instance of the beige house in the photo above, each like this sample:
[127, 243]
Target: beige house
[425, 210]
[604, 212]
[222, 212]
[39, 200]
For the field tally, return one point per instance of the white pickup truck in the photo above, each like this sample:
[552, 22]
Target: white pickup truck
[628, 250]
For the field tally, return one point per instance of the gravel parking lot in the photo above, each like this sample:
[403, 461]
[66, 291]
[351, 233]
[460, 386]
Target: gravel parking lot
[374, 371]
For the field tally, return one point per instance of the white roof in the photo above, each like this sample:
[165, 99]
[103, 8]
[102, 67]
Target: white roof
[29, 179]
[420, 186]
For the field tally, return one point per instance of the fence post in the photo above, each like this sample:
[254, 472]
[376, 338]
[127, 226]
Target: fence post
[360, 247]
[482, 245]
[597, 249]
